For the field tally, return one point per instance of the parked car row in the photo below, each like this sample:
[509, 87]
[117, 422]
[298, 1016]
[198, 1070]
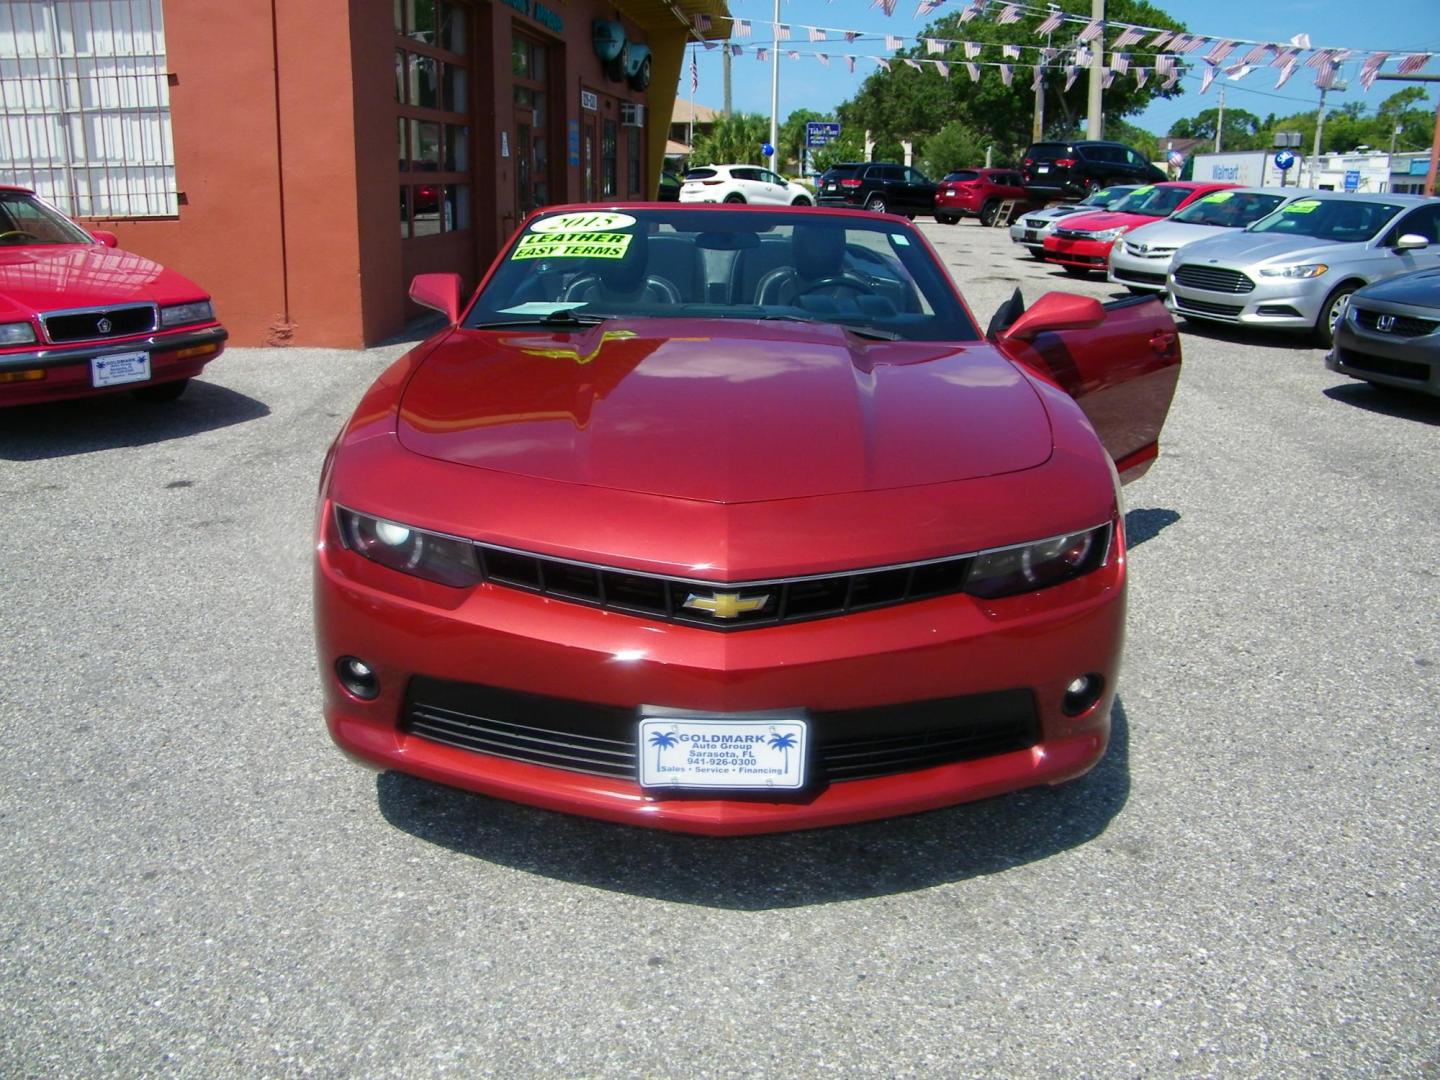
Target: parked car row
[1357, 272]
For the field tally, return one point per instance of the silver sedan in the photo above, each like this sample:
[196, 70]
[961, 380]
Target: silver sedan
[1031, 229]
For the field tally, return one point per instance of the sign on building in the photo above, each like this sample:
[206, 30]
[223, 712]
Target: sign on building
[820, 133]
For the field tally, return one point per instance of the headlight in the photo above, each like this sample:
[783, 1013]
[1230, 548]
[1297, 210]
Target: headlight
[428, 555]
[1300, 270]
[16, 333]
[180, 314]
[1110, 234]
[1036, 566]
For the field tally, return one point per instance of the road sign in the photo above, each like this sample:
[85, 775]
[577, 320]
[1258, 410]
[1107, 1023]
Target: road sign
[820, 133]
[1352, 179]
[1284, 159]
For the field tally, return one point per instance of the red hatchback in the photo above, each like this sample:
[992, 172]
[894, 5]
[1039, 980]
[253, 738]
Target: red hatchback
[80, 317]
[976, 193]
[736, 545]
[1081, 243]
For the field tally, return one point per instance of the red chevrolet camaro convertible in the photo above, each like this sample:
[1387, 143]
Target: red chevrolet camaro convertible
[732, 520]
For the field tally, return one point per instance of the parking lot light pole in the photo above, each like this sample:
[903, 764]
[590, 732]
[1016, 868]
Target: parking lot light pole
[1095, 125]
[775, 83]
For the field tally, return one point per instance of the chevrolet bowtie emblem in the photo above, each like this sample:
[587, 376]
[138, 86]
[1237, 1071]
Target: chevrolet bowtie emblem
[726, 605]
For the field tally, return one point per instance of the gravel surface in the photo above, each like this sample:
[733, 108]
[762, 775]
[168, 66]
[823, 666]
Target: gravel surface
[194, 882]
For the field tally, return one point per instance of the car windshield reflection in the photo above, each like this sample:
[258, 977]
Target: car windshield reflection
[870, 274]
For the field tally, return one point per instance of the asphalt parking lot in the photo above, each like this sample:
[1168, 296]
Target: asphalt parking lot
[196, 883]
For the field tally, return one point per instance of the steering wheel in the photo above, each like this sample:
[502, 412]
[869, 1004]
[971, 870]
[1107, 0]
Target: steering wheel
[18, 232]
[839, 281]
[665, 290]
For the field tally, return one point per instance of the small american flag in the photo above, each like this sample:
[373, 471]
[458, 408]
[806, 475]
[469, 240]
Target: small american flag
[782, 32]
[850, 63]
[1009, 14]
[736, 50]
[762, 54]
[1160, 40]
[1207, 78]
[1195, 44]
[1255, 55]
[694, 73]
[943, 68]
[1130, 36]
[1051, 23]
[1371, 68]
[1413, 63]
[934, 47]
[882, 62]
[1010, 52]
[973, 70]
[1107, 79]
[1140, 76]
[1091, 32]
[817, 34]
[1285, 73]
[742, 27]
[1006, 75]
[823, 58]
[1071, 71]
[1120, 62]
[792, 54]
[972, 50]
[1325, 77]
[913, 63]
[892, 42]
[1221, 50]
[971, 11]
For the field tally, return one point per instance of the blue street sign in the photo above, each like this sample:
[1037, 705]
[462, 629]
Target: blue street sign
[820, 133]
[1284, 159]
[1352, 179]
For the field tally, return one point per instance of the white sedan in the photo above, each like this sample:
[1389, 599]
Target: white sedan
[742, 184]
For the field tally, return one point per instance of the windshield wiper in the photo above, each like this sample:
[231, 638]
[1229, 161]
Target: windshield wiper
[859, 331]
[555, 320]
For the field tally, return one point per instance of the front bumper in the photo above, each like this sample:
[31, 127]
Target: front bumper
[1285, 303]
[1082, 254]
[1410, 363]
[1136, 272]
[64, 370]
[850, 202]
[410, 632]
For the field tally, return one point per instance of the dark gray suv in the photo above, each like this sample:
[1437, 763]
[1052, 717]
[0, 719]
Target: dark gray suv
[1078, 168]
[881, 186]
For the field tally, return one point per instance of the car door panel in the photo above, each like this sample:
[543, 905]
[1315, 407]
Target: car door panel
[1122, 373]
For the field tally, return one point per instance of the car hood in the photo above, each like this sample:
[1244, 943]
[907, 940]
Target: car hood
[723, 411]
[1421, 289]
[39, 278]
[1240, 249]
[1167, 233]
[1101, 220]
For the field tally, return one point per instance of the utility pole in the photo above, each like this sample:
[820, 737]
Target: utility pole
[1095, 126]
[1220, 120]
[775, 85]
[1338, 86]
[725, 70]
[1038, 130]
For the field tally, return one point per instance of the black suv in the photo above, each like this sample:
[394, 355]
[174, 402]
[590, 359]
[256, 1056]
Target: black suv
[1078, 168]
[881, 186]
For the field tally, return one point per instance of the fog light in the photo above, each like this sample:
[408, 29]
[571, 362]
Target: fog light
[357, 677]
[1081, 694]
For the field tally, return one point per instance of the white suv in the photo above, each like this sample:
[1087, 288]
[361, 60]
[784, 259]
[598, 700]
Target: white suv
[742, 184]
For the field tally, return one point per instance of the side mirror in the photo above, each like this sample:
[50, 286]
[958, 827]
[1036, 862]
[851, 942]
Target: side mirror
[109, 239]
[438, 291]
[1056, 311]
[1411, 242]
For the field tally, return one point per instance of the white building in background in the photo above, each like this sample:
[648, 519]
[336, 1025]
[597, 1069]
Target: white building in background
[1373, 172]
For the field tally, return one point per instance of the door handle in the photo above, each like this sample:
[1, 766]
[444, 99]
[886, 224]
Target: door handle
[1163, 342]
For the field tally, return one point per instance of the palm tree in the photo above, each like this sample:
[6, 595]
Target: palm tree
[661, 740]
[783, 743]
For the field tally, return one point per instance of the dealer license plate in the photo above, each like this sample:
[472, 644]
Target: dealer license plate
[735, 755]
[118, 368]
[1031, 234]
[1042, 168]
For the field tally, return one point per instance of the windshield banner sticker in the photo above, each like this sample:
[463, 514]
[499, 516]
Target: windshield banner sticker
[1143, 190]
[591, 222]
[1219, 196]
[572, 245]
[1304, 206]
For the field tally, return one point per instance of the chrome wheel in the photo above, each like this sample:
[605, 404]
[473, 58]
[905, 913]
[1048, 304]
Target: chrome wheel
[875, 204]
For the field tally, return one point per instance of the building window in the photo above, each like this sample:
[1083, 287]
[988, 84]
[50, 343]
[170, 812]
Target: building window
[609, 156]
[633, 168]
[432, 133]
[85, 106]
[529, 63]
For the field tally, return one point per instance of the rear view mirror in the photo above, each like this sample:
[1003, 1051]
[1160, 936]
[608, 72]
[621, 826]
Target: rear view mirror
[1411, 242]
[438, 291]
[1056, 311]
[109, 239]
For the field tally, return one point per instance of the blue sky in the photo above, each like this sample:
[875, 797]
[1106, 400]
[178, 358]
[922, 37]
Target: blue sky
[1394, 25]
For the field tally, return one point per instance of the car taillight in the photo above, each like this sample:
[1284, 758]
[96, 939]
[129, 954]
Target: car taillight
[1066, 162]
[849, 183]
[711, 183]
[1029, 161]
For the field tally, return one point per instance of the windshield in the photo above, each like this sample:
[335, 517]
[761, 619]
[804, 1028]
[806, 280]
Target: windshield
[1152, 200]
[1110, 198]
[869, 274]
[1229, 209]
[24, 219]
[1341, 221]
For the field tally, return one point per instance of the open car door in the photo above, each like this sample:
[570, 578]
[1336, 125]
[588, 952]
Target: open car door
[1120, 361]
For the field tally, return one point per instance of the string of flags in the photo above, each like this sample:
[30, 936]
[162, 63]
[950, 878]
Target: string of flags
[1167, 54]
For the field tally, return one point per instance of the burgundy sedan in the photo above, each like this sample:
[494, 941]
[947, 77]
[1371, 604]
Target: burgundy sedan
[80, 317]
[732, 520]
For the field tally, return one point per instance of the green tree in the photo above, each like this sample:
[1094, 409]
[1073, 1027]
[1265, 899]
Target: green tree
[733, 140]
[849, 147]
[905, 103]
[955, 146]
[1146, 142]
[1243, 130]
[1349, 125]
[791, 150]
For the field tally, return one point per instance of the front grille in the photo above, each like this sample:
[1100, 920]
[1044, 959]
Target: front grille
[1204, 307]
[1072, 234]
[100, 323]
[847, 744]
[1279, 311]
[791, 600]
[1142, 276]
[1385, 365]
[1213, 279]
[1403, 326]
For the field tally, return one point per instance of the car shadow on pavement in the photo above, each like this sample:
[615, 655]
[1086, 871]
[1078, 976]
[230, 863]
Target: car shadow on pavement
[783, 870]
[1290, 340]
[1405, 404]
[62, 428]
[1145, 524]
